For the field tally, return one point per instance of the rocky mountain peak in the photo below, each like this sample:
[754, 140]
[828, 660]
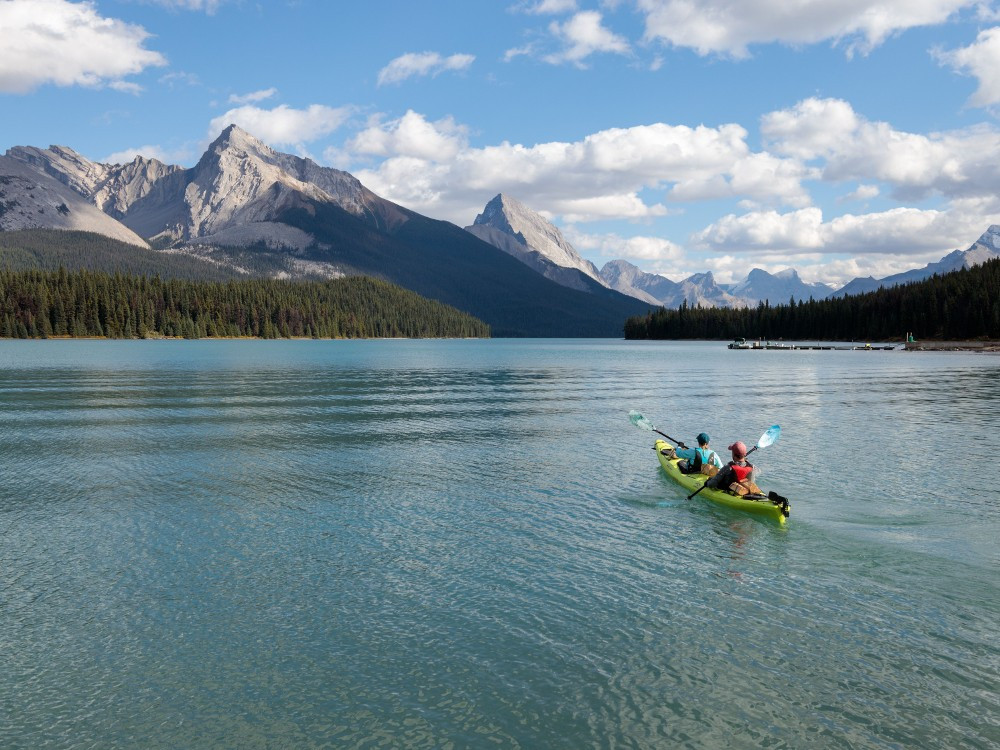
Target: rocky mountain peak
[531, 230]
[239, 167]
[238, 183]
[235, 139]
[498, 211]
[990, 238]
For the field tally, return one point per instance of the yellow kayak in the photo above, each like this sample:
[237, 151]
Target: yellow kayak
[773, 506]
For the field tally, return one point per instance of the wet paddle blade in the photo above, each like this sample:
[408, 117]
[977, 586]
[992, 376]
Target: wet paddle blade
[769, 437]
[640, 421]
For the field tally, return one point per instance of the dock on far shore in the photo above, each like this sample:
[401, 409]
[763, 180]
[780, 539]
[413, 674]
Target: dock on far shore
[910, 346]
[770, 345]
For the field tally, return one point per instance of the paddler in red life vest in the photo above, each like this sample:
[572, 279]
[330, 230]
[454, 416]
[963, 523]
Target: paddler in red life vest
[739, 471]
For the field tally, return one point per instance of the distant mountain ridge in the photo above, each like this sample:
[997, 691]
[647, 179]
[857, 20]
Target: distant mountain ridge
[759, 285]
[698, 289]
[30, 199]
[523, 233]
[985, 248]
[514, 228]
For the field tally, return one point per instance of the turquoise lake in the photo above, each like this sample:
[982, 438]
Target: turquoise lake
[466, 544]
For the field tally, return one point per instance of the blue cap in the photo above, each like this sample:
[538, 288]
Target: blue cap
[703, 438]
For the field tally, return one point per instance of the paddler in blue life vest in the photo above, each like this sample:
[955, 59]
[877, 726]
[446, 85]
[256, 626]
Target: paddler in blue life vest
[738, 475]
[697, 460]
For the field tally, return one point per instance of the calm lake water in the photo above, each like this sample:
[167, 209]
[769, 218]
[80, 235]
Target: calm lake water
[432, 544]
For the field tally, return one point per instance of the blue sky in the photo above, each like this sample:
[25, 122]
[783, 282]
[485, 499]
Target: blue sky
[840, 137]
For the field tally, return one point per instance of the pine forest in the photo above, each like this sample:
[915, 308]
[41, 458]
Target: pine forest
[42, 304]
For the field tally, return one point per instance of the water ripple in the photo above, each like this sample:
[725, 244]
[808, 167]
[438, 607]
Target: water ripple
[433, 544]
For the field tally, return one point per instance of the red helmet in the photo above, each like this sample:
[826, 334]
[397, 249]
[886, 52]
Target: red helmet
[739, 450]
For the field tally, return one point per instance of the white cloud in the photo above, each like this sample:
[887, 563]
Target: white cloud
[430, 167]
[900, 231]
[636, 248]
[283, 125]
[65, 43]
[547, 7]
[209, 6]
[411, 135]
[728, 27]
[767, 230]
[583, 35]
[981, 60]
[252, 97]
[760, 177]
[955, 164]
[863, 193]
[846, 247]
[421, 64]
[528, 50]
[641, 173]
[812, 128]
[610, 206]
[179, 77]
[126, 87]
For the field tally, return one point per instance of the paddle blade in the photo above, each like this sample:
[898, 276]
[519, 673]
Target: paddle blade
[769, 437]
[640, 421]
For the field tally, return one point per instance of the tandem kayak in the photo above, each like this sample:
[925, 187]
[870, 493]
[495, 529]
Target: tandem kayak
[773, 506]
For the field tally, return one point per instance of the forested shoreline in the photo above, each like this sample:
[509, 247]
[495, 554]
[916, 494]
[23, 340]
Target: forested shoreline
[41, 304]
[962, 305]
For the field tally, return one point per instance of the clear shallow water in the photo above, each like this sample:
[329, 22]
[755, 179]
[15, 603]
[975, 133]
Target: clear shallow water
[466, 544]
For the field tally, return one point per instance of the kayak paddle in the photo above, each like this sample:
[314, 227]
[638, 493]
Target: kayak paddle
[768, 438]
[644, 424]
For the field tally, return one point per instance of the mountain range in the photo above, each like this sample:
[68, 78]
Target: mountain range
[252, 210]
[528, 236]
[247, 206]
